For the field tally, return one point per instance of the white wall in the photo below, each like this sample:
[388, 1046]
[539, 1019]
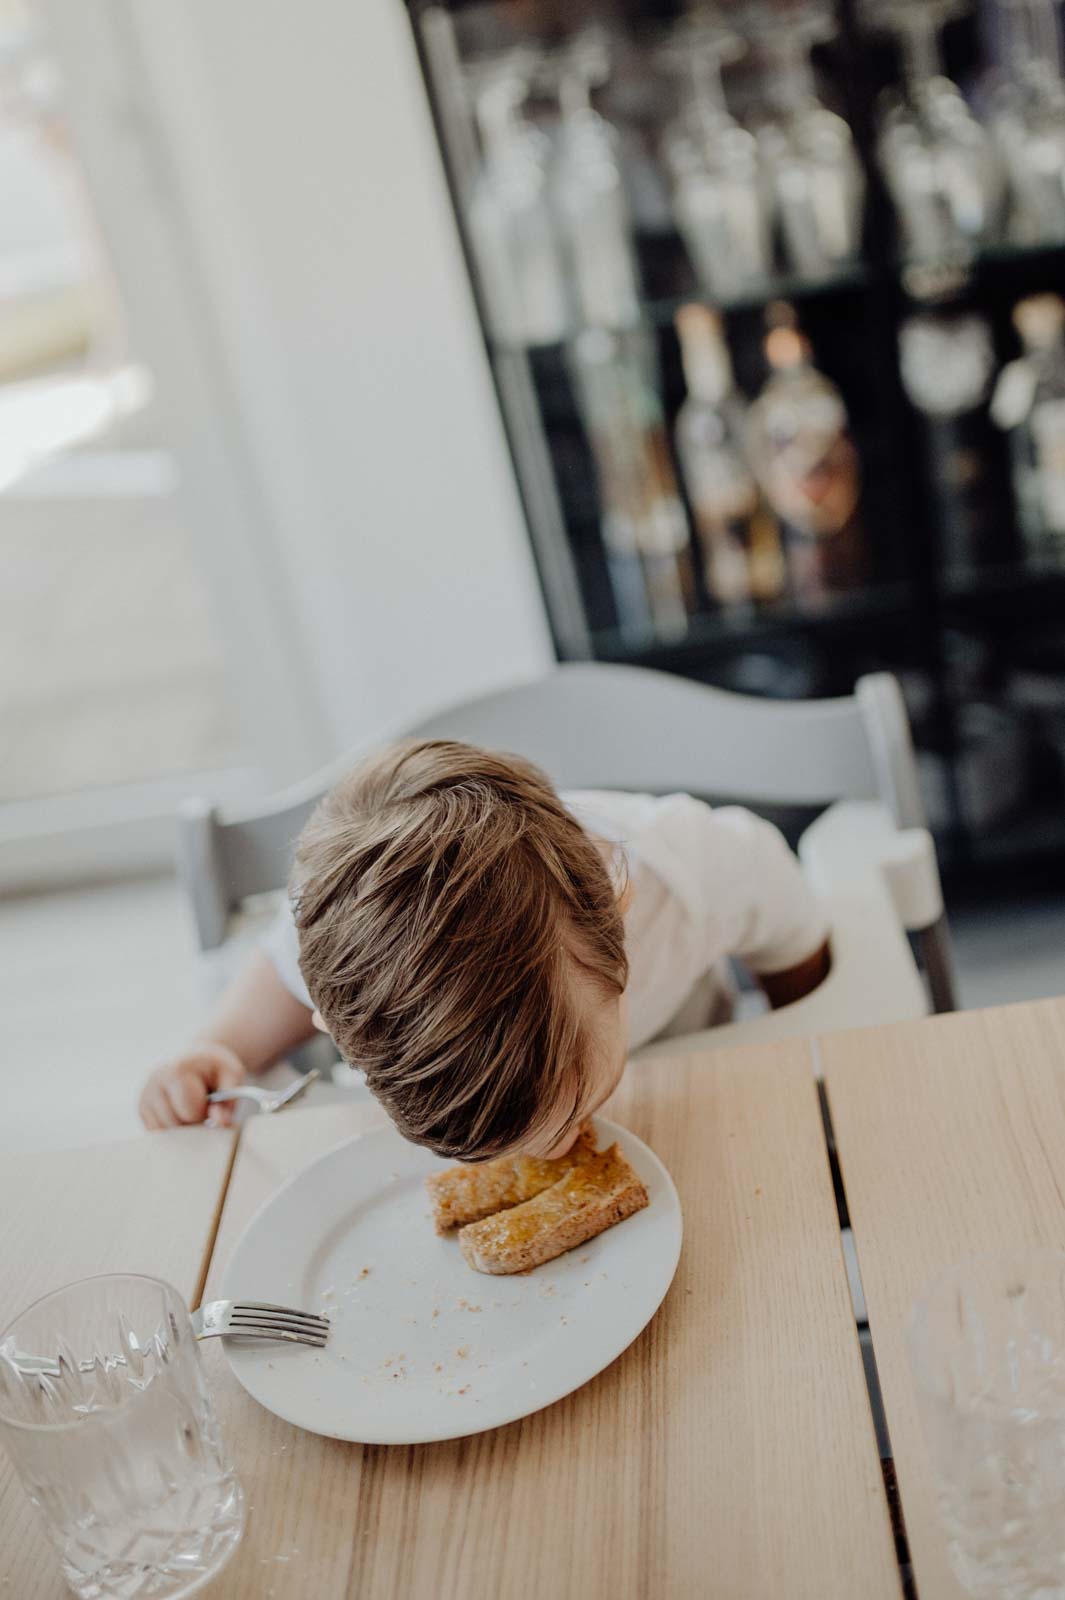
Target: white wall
[293, 145]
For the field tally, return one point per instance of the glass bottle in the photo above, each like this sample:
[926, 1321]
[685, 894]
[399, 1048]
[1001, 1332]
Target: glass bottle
[642, 517]
[947, 360]
[513, 231]
[738, 538]
[1030, 402]
[807, 466]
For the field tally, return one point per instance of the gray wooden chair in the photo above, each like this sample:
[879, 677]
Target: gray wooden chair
[616, 727]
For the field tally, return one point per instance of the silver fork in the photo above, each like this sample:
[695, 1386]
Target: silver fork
[266, 1099]
[254, 1319]
[235, 1319]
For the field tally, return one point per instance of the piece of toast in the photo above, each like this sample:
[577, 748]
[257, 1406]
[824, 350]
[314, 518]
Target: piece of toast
[467, 1193]
[588, 1199]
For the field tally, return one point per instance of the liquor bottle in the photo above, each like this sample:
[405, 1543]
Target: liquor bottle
[739, 540]
[644, 528]
[807, 465]
[1029, 402]
[946, 362]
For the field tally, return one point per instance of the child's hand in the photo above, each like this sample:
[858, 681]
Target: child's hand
[176, 1092]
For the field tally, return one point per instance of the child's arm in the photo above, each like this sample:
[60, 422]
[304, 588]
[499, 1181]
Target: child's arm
[256, 1021]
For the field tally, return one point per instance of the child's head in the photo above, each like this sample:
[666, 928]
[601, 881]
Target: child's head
[461, 936]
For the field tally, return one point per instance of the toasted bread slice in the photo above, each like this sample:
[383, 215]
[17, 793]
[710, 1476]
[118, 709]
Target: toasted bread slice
[588, 1199]
[468, 1193]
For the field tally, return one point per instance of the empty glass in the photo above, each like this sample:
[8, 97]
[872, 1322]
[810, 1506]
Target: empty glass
[721, 200]
[513, 230]
[106, 1414]
[986, 1343]
[1028, 120]
[807, 150]
[941, 167]
[588, 190]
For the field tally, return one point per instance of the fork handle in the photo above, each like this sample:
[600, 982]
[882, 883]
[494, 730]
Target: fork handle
[245, 1092]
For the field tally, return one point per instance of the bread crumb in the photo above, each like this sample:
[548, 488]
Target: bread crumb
[438, 1366]
[464, 1390]
[463, 1351]
[365, 1272]
[435, 1314]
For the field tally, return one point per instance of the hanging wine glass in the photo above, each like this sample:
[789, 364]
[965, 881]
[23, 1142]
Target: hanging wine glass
[720, 200]
[808, 151]
[512, 226]
[940, 165]
[588, 189]
[1027, 119]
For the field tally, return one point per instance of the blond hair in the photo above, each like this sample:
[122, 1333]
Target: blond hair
[447, 904]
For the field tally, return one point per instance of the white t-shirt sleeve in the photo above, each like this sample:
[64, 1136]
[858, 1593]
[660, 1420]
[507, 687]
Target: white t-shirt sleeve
[744, 889]
[282, 945]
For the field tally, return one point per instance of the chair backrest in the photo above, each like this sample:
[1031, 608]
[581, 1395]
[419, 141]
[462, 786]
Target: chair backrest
[595, 726]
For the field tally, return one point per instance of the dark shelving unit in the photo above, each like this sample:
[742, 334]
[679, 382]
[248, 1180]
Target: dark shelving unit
[968, 644]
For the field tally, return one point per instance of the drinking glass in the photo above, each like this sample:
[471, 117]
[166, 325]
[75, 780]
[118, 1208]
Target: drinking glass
[588, 189]
[941, 167]
[106, 1414]
[721, 200]
[807, 150]
[1027, 120]
[513, 230]
[986, 1343]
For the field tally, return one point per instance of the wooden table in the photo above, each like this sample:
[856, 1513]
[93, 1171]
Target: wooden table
[951, 1135]
[729, 1452]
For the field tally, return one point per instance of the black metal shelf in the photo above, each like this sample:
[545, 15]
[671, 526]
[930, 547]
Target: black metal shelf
[958, 637]
[711, 634]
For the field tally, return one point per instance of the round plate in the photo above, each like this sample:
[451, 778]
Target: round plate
[422, 1347]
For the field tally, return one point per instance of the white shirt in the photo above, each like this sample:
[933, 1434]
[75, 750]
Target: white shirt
[706, 884]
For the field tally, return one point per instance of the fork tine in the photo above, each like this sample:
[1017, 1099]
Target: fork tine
[317, 1330]
[251, 1330]
[291, 1319]
[280, 1311]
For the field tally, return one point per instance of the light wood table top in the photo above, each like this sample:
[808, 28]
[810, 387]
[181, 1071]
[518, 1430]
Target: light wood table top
[729, 1451]
[145, 1205]
[951, 1135]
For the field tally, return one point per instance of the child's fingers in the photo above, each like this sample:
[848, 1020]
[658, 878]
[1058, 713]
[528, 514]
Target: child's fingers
[186, 1097]
[153, 1109]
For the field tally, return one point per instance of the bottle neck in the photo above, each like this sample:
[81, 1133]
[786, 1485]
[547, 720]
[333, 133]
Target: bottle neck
[707, 367]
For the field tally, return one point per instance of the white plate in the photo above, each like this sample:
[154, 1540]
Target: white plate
[423, 1347]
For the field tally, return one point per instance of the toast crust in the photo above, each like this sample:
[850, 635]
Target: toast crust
[586, 1200]
[465, 1194]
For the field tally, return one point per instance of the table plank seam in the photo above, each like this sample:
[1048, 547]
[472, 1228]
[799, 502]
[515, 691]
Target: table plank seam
[216, 1220]
[870, 1369]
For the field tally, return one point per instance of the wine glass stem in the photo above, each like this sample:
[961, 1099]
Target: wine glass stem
[708, 87]
[920, 42]
[574, 93]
